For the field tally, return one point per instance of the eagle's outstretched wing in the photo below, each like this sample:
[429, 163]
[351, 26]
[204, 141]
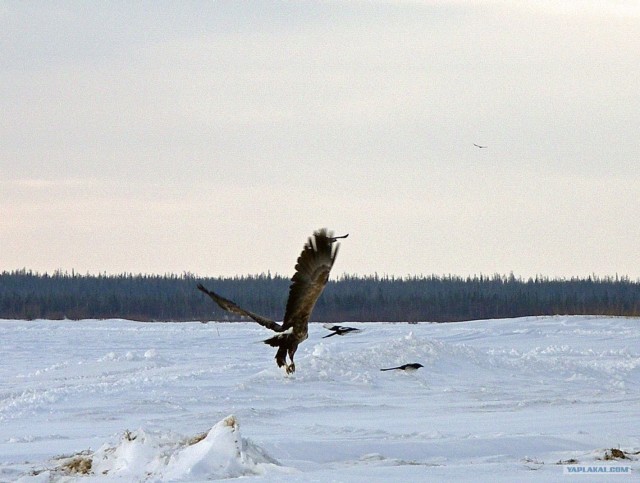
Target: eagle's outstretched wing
[232, 307]
[312, 273]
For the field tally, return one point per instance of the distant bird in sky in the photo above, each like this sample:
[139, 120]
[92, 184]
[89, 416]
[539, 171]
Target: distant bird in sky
[338, 330]
[308, 282]
[481, 147]
[414, 366]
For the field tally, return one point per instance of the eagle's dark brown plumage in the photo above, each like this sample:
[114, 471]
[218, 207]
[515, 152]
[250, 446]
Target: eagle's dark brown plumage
[312, 272]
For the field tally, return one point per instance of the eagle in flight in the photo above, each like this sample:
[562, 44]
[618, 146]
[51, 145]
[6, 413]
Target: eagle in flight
[312, 273]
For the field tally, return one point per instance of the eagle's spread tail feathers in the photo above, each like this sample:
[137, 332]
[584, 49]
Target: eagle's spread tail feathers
[280, 339]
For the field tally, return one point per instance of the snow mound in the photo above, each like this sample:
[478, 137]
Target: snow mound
[140, 456]
[223, 453]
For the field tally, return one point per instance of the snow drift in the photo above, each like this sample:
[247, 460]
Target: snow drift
[140, 456]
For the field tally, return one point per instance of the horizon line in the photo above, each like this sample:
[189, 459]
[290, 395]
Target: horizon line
[186, 274]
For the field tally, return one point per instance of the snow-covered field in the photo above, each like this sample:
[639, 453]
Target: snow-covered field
[497, 400]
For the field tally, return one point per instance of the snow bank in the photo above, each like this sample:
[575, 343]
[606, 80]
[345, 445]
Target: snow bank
[223, 453]
[140, 456]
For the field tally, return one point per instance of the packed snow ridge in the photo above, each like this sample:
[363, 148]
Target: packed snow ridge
[220, 453]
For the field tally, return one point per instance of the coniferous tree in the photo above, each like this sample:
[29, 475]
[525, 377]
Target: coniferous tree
[28, 295]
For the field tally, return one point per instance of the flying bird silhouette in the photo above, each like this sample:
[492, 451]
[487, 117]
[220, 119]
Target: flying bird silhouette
[312, 273]
[414, 366]
[481, 147]
[338, 330]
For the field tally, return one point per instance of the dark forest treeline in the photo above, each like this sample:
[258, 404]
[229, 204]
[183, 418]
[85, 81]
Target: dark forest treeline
[28, 295]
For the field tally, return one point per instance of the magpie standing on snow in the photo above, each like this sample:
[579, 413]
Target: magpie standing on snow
[338, 330]
[405, 367]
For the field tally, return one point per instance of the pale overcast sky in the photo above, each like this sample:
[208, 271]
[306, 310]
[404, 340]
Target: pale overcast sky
[214, 137]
